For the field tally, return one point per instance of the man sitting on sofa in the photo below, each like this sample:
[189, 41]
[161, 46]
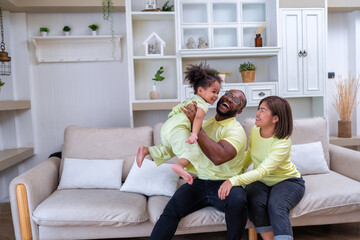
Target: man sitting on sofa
[223, 141]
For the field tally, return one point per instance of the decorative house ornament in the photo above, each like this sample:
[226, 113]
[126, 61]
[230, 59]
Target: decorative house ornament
[5, 60]
[150, 4]
[191, 44]
[154, 45]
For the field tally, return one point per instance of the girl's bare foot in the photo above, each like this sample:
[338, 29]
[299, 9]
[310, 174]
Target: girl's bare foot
[142, 152]
[184, 174]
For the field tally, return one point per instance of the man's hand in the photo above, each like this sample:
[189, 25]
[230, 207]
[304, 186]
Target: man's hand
[190, 111]
[224, 189]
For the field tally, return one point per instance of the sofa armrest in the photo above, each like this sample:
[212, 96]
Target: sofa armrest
[345, 161]
[32, 187]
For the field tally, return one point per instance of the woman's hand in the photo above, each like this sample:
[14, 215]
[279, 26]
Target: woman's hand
[225, 189]
[190, 111]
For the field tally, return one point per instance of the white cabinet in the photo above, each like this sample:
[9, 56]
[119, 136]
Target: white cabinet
[303, 50]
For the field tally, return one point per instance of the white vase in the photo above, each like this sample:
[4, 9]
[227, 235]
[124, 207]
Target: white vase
[93, 33]
[154, 94]
[67, 33]
[44, 34]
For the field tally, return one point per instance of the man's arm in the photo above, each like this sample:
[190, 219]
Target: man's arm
[218, 152]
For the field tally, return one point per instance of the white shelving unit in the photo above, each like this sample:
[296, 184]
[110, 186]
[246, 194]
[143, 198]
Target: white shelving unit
[229, 29]
[77, 48]
[10, 157]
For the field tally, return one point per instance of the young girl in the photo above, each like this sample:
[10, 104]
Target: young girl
[177, 134]
[275, 185]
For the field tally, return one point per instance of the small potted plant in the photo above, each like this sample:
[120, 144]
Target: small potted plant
[44, 31]
[1, 84]
[247, 71]
[223, 75]
[154, 94]
[66, 30]
[93, 28]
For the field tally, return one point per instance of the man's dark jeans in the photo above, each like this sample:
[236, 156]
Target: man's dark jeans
[202, 193]
[269, 207]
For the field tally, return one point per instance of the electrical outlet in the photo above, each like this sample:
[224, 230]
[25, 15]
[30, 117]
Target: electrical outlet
[331, 75]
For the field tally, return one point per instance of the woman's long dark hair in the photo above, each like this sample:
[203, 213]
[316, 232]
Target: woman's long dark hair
[280, 107]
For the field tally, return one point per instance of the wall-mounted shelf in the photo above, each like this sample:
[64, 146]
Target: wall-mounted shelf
[10, 157]
[77, 48]
[14, 105]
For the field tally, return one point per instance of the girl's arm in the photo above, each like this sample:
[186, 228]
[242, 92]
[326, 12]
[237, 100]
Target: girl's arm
[198, 120]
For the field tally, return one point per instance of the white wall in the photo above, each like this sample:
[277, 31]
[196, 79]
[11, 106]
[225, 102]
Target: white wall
[91, 94]
[343, 56]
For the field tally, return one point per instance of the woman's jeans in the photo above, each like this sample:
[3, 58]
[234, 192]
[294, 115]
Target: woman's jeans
[202, 193]
[269, 207]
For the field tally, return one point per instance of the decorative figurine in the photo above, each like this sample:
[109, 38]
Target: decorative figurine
[202, 43]
[191, 44]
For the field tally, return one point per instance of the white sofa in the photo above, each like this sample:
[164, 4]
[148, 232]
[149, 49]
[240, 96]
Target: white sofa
[41, 211]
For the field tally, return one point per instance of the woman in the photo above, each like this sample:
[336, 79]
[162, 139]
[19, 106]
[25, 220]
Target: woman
[274, 186]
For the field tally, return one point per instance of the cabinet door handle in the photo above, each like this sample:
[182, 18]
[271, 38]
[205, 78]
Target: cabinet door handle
[261, 94]
[300, 53]
[304, 54]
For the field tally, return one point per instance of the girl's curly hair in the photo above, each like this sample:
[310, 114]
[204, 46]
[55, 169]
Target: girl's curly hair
[201, 76]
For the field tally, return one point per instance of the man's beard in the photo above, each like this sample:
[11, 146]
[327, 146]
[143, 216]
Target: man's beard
[229, 113]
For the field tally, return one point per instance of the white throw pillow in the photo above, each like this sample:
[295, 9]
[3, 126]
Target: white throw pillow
[151, 180]
[309, 158]
[94, 173]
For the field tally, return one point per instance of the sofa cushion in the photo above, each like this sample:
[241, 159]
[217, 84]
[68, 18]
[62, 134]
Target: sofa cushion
[328, 194]
[90, 207]
[105, 143]
[151, 180]
[206, 216]
[306, 130]
[309, 158]
[84, 173]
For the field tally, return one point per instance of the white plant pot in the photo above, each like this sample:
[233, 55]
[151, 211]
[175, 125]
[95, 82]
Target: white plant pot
[94, 33]
[67, 33]
[44, 34]
[154, 94]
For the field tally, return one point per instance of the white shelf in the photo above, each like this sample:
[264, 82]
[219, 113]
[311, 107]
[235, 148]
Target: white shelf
[10, 157]
[77, 48]
[160, 104]
[152, 16]
[230, 52]
[14, 105]
[153, 57]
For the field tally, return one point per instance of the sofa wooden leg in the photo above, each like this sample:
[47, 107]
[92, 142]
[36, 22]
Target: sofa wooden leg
[252, 234]
[23, 209]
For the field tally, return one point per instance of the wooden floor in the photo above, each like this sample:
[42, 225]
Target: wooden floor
[349, 231]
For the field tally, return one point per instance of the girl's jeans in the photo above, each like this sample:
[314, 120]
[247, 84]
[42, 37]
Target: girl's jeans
[269, 207]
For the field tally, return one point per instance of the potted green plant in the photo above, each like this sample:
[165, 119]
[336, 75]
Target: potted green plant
[66, 30]
[167, 7]
[1, 84]
[247, 71]
[154, 94]
[44, 31]
[223, 75]
[93, 28]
